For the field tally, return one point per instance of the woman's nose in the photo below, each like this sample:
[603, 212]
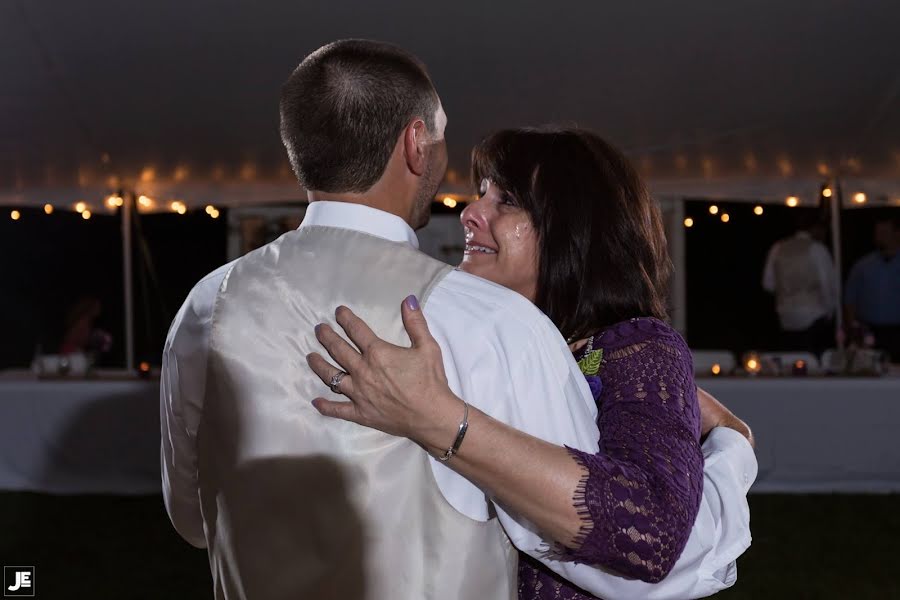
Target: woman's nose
[474, 215]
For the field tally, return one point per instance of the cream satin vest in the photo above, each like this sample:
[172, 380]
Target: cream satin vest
[298, 506]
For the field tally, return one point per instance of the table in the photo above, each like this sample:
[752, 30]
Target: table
[813, 434]
[79, 437]
[819, 435]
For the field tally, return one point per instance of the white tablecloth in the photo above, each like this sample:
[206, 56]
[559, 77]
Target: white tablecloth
[819, 434]
[813, 435]
[79, 437]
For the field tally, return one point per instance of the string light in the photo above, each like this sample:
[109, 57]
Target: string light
[48, 208]
[210, 209]
[179, 207]
[752, 363]
[85, 214]
[859, 198]
[145, 201]
[449, 202]
[689, 222]
[214, 213]
[826, 193]
[758, 211]
[15, 215]
[716, 369]
[725, 218]
[114, 201]
[792, 201]
[80, 207]
[713, 210]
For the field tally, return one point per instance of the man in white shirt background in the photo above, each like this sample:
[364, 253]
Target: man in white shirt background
[485, 332]
[800, 272]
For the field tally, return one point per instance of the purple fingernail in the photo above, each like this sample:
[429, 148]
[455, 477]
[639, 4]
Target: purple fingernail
[412, 303]
[318, 327]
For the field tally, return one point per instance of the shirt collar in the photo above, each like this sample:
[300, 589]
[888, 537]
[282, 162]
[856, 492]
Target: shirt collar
[348, 215]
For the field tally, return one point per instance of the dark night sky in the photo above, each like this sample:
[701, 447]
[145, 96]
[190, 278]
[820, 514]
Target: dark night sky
[196, 82]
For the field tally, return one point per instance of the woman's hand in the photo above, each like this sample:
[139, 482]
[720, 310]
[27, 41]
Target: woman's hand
[714, 414]
[401, 391]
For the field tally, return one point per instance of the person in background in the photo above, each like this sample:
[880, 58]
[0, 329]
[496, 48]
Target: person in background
[800, 273]
[80, 333]
[872, 297]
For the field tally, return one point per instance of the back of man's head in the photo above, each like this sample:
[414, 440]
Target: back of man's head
[343, 108]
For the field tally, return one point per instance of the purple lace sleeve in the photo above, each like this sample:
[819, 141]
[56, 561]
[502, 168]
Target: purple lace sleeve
[641, 492]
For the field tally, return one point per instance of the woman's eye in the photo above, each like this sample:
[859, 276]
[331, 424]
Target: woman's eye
[507, 199]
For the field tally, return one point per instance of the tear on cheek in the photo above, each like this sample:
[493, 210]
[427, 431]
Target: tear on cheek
[522, 229]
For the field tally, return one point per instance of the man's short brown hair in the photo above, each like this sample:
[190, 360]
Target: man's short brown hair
[344, 106]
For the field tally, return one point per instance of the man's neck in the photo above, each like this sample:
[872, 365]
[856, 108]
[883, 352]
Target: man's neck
[377, 201]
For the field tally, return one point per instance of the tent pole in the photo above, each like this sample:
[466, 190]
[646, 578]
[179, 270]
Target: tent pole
[837, 202]
[127, 280]
[678, 294]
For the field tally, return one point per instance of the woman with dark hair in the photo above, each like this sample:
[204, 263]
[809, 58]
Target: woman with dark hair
[564, 220]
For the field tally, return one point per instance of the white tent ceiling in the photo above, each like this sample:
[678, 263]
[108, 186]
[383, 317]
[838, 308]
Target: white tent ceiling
[748, 100]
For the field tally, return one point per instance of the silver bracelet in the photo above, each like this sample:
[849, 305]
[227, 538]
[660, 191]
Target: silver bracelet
[463, 427]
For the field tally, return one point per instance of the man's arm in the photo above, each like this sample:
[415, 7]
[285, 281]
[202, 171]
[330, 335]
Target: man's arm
[178, 455]
[543, 388]
[720, 535]
[182, 387]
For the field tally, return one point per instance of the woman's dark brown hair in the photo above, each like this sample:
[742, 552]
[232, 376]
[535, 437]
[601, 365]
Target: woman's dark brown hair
[602, 247]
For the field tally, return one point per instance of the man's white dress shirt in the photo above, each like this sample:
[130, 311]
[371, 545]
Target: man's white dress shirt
[511, 363]
[801, 274]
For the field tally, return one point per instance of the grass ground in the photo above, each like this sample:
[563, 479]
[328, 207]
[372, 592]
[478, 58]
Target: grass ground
[104, 547]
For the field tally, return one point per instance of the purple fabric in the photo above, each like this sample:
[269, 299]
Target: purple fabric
[642, 491]
[596, 385]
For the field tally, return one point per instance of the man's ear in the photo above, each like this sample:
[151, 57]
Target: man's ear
[415, 139]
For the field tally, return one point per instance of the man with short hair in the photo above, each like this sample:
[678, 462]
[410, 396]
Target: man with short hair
[872, 296]
[801, 274]
[291, 504]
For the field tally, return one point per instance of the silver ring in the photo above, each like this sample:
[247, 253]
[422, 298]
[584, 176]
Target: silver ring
[336, 381]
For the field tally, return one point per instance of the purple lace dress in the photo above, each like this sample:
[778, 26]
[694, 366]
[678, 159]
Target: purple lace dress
[641, 493]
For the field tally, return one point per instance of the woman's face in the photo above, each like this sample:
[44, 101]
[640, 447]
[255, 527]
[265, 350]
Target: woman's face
[501, 242]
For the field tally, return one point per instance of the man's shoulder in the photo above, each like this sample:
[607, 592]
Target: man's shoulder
[486, 302]
[867, 262]
[476, 317]
[198, 305]
[209, 284]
